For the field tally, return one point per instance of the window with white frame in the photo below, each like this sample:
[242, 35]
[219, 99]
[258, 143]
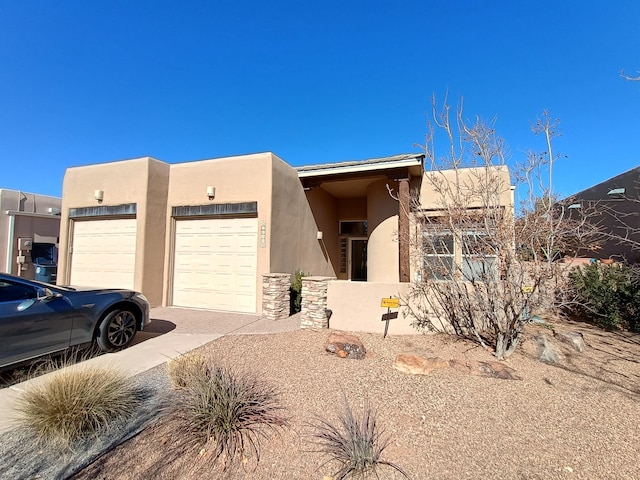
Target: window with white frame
[439, 257]
[468, 254]
[478, 256]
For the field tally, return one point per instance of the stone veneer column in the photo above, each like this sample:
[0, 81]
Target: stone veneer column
[314, 302]
[275, 295]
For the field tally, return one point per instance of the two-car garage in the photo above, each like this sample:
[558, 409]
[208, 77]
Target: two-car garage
[213, 260]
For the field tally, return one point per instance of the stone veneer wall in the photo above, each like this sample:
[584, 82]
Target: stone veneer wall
[275, 295]
[314, 302]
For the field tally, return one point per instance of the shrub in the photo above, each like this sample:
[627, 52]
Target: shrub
[296, 291]
[189, 365]
[355, 444]
[233, 411]
[608, 295]
[76, 402]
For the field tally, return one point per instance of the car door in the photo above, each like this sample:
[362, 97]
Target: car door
[29, 326]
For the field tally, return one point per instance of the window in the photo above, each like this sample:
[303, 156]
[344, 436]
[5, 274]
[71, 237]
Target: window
[354, 228]
[438, 255]
[441, 249]
[478, 255]
[343, 255]
[11, 291]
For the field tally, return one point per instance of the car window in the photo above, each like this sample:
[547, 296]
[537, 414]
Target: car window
[12, 291]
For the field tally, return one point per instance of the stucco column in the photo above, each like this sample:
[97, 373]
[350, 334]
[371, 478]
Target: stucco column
[403, 230]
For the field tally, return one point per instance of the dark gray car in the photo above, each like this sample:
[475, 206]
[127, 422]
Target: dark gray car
[38, 319]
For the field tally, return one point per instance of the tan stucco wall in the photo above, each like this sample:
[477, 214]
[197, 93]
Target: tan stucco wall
[324, 209]
[294, 241]
[40, 229]
[355, 307]
[155, 228]
[246, 178]
[142, 181]
[382, 253]
[352, 208]
[468, 180]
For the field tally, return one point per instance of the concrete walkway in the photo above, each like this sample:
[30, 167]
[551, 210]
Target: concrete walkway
[172, 332]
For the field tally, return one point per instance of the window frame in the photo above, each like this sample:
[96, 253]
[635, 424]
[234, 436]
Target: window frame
[462, 258]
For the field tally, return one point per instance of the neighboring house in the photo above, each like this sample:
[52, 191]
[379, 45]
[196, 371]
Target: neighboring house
[29, 230]
[202, 234]
[614, 205]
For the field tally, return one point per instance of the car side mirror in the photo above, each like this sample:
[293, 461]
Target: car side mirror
[46, 294]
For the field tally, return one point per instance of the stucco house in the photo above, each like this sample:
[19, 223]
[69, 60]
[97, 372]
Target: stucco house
[29, 230]
[203, 234]
[614, 205]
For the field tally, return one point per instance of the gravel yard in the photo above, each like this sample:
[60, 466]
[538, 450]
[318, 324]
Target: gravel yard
[574, 420]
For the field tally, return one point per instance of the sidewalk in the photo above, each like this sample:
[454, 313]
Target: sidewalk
[172, 332]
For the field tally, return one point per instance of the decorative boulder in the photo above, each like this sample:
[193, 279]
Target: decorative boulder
[418, 363]
[547, 352]
[484, 369]
[574, 339]
[345, 345]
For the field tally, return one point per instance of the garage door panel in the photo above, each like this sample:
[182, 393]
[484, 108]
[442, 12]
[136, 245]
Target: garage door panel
[215, 264]
[103, 253]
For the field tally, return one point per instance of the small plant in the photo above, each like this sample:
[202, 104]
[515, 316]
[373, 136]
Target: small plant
[355, 444]
[608, 295]
[76, 402]
[184, 367]
[296, 291]
[232, 411]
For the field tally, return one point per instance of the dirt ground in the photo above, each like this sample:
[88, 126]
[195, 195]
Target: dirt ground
[576, 420]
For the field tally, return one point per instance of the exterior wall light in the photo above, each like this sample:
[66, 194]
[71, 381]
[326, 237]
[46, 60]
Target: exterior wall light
[98, 195]
[211, 192]
[319, 235]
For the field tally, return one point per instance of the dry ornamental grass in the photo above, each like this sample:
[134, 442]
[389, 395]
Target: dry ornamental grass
[76, 402]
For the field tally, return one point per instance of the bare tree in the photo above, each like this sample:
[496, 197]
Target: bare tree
[485, 265]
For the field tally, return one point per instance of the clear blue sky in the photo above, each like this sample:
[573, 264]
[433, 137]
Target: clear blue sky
[86, 82]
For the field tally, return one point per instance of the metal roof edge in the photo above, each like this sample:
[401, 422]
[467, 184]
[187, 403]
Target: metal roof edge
[404, 160]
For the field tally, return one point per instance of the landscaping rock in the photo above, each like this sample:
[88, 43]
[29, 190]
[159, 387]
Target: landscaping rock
[345, 346]
[484, 369]
[418, 363]
[547, 352]
[575, 339]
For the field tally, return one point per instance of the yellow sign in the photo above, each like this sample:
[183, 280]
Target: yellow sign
[390, 302]
[527, 289]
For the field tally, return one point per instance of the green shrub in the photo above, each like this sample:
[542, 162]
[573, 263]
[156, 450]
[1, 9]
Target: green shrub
[233, 412]
[296, 291]
[76, 402]
[355, 444]
[608, 295]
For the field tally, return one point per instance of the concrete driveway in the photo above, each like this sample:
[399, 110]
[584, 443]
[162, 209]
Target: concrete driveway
[172, 332]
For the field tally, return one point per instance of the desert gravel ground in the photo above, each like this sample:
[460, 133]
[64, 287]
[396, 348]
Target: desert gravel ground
[575, 420]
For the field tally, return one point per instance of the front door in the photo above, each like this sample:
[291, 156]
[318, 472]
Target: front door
[358, 260]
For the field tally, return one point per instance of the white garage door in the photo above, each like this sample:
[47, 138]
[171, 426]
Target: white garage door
[104, 253]
[215, 264]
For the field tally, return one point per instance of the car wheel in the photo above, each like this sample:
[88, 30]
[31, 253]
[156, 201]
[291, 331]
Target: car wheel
[117, 330]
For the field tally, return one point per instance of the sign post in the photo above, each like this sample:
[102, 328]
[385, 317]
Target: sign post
[527, 290]
[389, 303]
